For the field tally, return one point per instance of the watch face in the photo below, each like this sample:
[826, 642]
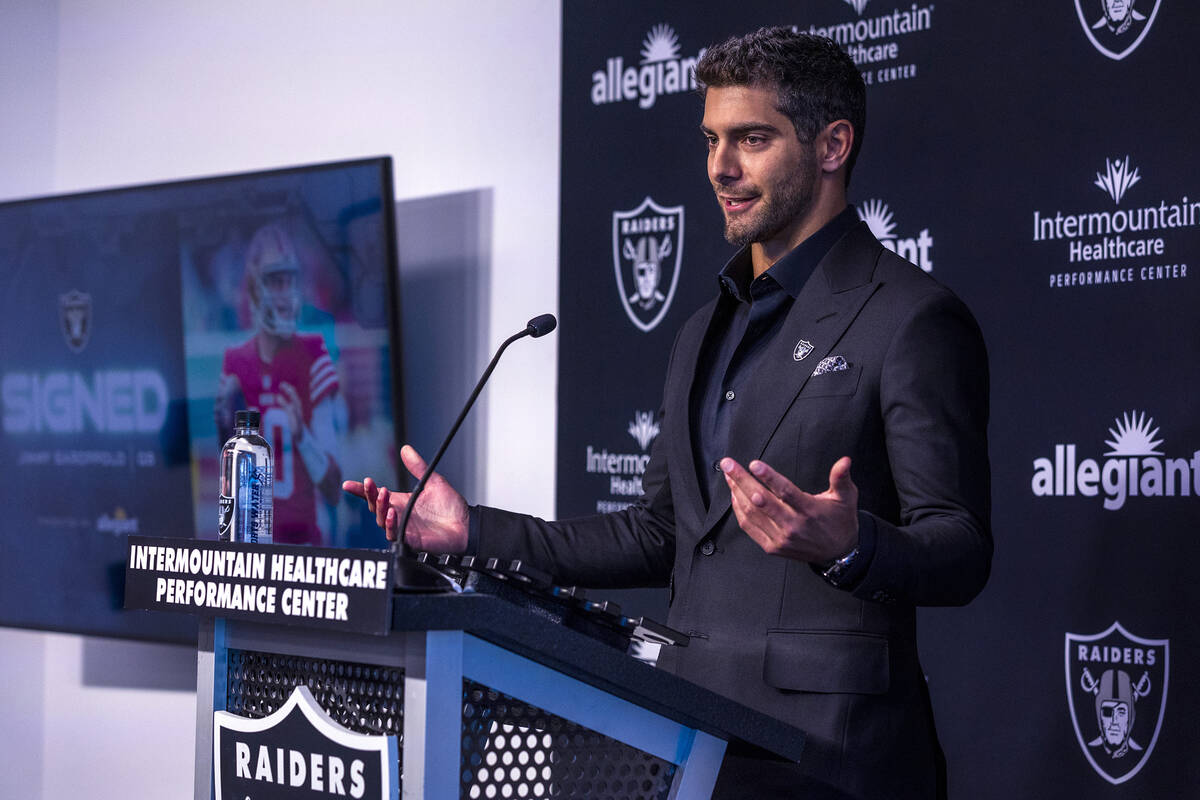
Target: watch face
[838, 569]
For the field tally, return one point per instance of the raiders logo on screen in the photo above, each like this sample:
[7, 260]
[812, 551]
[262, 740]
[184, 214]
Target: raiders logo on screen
[75, 315]
[1117, 692]
[1116, 27]
[647, 253]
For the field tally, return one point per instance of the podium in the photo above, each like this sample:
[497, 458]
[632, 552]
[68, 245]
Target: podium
[488, 700]
[316, 680]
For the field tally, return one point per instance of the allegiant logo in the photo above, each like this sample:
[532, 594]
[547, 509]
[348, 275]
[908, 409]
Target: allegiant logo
[662, 71]
[1134, 467]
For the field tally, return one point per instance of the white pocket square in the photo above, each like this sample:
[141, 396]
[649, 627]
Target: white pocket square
[830, 364]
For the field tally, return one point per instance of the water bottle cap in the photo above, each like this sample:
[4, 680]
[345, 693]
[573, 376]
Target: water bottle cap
[247, 419]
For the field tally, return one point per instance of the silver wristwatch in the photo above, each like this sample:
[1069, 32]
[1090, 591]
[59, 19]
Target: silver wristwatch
[835, 573]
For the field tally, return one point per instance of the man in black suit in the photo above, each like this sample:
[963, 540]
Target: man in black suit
[797, 583]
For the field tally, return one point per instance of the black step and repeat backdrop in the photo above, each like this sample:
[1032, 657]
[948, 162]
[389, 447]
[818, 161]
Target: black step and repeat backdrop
[1039, 159]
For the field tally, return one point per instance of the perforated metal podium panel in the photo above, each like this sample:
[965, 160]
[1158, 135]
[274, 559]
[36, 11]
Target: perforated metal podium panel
[511, 749]
[366, 698]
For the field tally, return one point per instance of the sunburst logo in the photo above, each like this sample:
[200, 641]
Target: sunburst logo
[643, 428]
[660, 44]
[1116, 178]
[880, 220]
[857, 5]
[1134, 436]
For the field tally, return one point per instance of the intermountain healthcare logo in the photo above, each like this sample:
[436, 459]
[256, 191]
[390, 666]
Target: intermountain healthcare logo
[874, 40]
[879, 219]
[1135, 466]
[643, 428]
[1116, 178]
[662, 72]
[1110, 237]
[624, 470]
[1117, 693]
[647, 253]
[1115, 27]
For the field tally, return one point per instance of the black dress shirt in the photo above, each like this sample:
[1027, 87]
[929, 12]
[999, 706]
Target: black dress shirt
[748, 316]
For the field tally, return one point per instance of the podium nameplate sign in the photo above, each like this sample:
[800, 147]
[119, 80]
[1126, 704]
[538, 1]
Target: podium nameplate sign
[347, 590]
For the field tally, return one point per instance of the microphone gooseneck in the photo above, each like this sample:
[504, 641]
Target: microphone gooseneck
[538, 326]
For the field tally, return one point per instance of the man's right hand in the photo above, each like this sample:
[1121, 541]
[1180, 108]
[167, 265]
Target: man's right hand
[438, 523]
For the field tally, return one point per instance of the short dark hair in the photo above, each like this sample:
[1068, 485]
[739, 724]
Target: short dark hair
[816, 80]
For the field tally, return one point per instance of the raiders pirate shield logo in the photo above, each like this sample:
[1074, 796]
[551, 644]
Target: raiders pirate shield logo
[75, 317]
[1117, 692]
[1116, 27]
[300, 751]
[647, 253]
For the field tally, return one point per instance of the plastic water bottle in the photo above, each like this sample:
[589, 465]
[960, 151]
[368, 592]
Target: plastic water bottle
[245, 504]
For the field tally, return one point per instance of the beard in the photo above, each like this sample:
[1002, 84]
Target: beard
[777, 208]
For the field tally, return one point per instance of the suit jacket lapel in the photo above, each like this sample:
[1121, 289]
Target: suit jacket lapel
[825, 307]
[684, 481]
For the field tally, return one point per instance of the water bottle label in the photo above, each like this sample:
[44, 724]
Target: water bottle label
[224, 514]
[261, 502]
[244, 503]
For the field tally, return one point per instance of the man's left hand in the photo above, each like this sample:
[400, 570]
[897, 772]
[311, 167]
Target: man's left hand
[788, 522]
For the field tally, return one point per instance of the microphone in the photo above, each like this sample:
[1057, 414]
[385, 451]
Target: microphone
[540, 326]
[536, 327]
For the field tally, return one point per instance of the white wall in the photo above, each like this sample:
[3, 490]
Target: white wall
[462, 94]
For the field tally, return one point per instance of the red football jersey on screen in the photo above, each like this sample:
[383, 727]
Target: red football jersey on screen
[304, 363]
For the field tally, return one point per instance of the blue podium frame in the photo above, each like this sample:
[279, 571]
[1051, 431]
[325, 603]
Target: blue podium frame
[440, 641]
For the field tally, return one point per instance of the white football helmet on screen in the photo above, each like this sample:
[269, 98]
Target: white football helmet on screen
[273, 280]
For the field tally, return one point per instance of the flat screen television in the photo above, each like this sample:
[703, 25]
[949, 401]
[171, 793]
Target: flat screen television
[136, 320]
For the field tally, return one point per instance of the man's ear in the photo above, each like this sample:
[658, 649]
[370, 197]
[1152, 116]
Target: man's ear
[834, 145]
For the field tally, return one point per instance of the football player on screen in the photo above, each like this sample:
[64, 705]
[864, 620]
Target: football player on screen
[290, 379]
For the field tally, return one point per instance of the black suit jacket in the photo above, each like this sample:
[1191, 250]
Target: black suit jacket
[911, 411]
